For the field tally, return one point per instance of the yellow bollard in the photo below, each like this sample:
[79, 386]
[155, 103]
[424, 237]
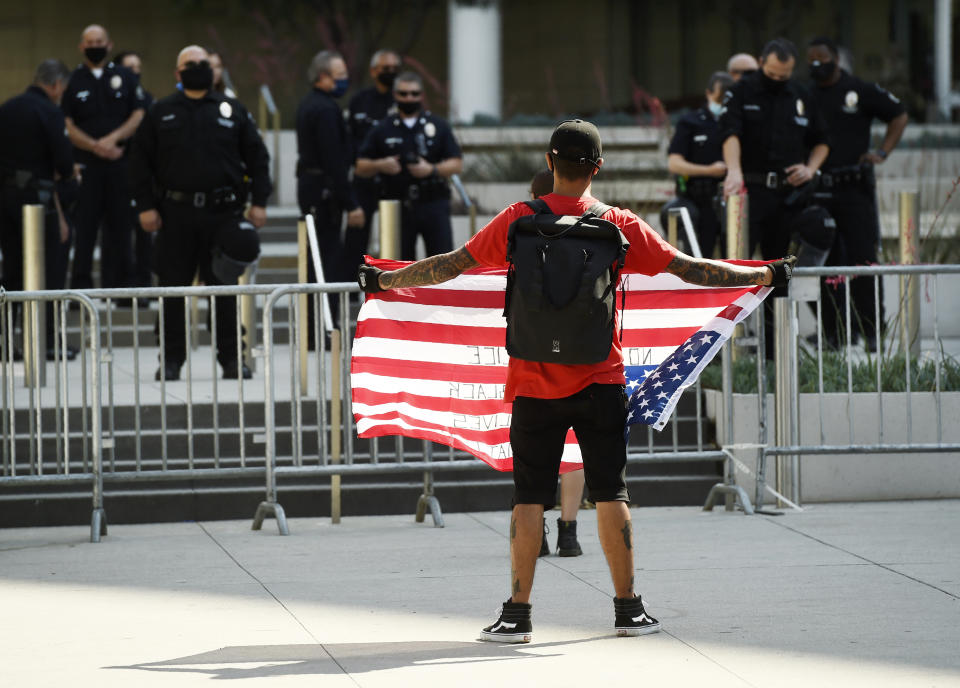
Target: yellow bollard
[34, 313]
[390, 229]
[910, 284]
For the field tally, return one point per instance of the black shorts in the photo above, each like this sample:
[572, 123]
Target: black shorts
[538, 428]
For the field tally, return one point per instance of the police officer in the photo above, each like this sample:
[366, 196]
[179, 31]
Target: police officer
[103, 105]
[323, 168]
[34, 150]
[142, 241]
[196, 146]
[367, 109]
[774, 144]
[414, 152]
[848, 186]
[696, 157]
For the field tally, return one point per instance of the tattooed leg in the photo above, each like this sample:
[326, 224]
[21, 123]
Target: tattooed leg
[616, 538]
[526, 532]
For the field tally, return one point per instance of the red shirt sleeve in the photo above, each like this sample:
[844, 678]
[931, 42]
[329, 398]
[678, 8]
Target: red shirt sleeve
[649, 254]
[489, 245]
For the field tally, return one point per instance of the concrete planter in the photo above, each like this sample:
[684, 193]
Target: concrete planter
[855, 477]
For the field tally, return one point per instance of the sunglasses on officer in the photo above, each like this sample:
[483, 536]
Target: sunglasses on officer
[192, 64]
[408, 94]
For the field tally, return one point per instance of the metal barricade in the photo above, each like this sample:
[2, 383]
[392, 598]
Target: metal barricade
[66, 418]
[869, 364]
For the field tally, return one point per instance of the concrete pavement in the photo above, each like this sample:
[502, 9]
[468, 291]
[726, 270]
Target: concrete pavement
[848, 594]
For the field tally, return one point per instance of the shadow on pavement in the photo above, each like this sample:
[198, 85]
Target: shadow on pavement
[265, 661]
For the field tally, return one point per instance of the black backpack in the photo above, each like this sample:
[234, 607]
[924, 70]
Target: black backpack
[561, 285]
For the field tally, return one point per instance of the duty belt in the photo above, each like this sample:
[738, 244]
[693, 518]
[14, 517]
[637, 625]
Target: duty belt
[775, 181]
[848, 175]
[217, 198]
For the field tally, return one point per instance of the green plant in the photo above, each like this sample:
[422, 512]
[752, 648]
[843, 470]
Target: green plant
[862, 373]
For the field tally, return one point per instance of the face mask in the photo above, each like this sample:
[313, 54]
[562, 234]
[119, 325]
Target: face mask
[197, 77]
[408, 107]
[716, 109]
[771, 85]
[95, 55]
[387, 78]
[822, 72]
[340, 87]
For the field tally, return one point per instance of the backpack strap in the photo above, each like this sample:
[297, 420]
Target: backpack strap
[599, 209]
[538, 205]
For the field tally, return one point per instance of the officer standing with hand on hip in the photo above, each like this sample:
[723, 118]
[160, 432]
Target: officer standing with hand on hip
[414, 152]
[34, 150]
[367, 109]
[696, 157]
[323, 169]
[848, 184]
[103, 105]
[196, 146]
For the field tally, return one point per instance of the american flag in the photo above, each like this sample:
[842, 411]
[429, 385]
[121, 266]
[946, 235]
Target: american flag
[430, 363]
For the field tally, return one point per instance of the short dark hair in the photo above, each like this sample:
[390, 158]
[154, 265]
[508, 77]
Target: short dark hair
[572, 171]
[722, 78]
[541, 184]
[120, 56]
[410, 78]
[827, 43]
[783, 48]
[50, 72]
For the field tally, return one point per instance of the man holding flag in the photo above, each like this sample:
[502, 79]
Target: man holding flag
[550, 398]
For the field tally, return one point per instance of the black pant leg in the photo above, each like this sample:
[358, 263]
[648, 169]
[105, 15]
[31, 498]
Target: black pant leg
[179, 245]
[858, 228]
[435, 227]
[89, 214]
[707, 228]
[409, 229]
[116, 254]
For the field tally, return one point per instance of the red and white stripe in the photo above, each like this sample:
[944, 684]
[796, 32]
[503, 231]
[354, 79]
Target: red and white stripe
[430, 362]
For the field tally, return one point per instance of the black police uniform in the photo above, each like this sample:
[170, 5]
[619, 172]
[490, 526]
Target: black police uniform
[142, 241]
[365, 111]
[197, 152]
[697, 140]
[33, 148]
[776, 129]
[848, 190]
[98, 106]
[425, 202]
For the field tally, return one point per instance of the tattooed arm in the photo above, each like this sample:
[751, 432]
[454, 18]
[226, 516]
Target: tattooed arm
[714, 273]
[432, 270]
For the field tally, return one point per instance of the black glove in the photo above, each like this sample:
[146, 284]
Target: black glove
[782, 271]
[368, 277]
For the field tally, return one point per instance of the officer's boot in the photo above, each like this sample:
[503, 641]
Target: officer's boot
[567, 545]
[544, 547]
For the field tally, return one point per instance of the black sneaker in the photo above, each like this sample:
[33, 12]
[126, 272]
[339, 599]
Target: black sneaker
[169, 371]
[544, 545]
[567, 545]
[512, 626]
[232, 371]
[632, 618]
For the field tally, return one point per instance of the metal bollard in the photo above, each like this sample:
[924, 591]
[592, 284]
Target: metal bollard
[785, 398]
[34, 314]
[910, 284]
[248, 317]
[672, 233]
[336, 421]
[390, 229]
[303, 256]
[737, 226]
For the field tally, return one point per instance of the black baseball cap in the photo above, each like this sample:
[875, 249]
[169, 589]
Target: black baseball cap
[577, 141]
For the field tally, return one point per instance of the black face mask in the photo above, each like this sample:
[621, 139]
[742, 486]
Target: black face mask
[96, 55]
[387, 78]
[822, 72]
[408, 107]
[771, 85]
[197, 77]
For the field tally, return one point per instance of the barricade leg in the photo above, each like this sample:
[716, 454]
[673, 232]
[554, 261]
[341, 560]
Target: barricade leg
[428, 499]
[271, 509]
[98, 525]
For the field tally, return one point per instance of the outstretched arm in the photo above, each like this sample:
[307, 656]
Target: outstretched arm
[432, 270]
[714, 273]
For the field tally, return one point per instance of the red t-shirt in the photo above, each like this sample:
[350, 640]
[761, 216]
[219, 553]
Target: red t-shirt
[648, 254]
